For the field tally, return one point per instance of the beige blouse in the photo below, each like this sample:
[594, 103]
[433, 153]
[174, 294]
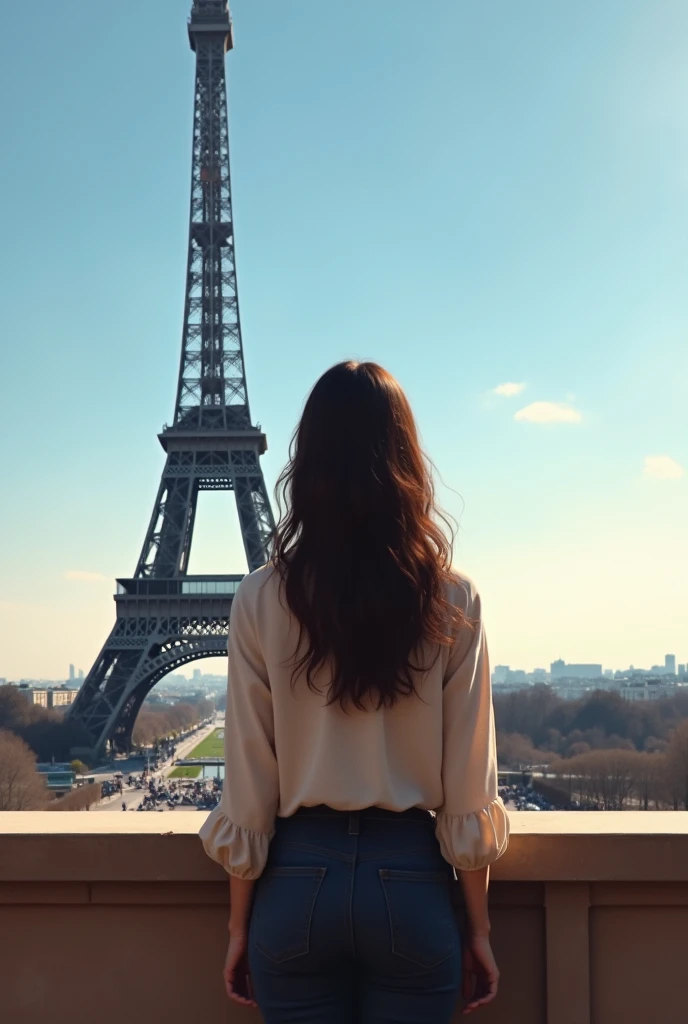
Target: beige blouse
[287, 748]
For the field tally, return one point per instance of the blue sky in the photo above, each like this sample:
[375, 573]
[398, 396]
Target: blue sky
[471, 194]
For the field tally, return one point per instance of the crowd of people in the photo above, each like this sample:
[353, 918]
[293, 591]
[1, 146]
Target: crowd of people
[161, 794]
[111, 787]
[524, 798]
[204, 794]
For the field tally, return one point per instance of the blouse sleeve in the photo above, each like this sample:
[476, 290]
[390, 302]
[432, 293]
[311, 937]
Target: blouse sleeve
[237, 833]
[472, 824]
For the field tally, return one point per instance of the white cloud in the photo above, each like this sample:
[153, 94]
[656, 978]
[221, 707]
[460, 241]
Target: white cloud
[508, 390]
[548, 412]
[84, 577]
[662, 467]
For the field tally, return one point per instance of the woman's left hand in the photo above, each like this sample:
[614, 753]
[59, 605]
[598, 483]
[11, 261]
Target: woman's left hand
[236, 971]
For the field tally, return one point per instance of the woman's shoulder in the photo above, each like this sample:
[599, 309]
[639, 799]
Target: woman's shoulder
[463, 592]
[256, 601]
[256, 583]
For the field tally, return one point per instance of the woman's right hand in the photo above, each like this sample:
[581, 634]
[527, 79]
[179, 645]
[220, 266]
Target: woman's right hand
[480, 973]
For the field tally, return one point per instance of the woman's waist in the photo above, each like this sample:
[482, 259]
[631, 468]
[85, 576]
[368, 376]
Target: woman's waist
[322, 834]
[323, 825]
[364, 814]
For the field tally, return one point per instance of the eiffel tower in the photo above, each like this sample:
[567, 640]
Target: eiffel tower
[165, 617]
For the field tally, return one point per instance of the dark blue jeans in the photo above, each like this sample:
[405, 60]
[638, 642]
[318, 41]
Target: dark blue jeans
[353, 921]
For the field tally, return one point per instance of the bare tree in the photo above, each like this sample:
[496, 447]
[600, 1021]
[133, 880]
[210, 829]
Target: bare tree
[650, 781]
[21, 787]
[619, 771]
[515, 751]
[605, 778]
[677, 757]
[79, 799]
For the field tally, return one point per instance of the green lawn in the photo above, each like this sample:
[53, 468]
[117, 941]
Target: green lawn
[186, 772]
[211, 746]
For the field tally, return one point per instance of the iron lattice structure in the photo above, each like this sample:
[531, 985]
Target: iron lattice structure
[166, 618]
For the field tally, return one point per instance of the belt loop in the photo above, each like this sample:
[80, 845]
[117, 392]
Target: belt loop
[353, 823]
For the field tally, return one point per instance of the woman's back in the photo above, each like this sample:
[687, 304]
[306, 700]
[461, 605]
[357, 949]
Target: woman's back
[434, 749]
[358, 702]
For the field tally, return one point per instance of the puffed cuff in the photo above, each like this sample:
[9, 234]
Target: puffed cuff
[473, 841]
[240, 851]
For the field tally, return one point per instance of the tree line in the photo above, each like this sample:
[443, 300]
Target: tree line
[30, 733]
[601, 720]
[51, 734]
[156, 722]
[601, 750]
[46, 730]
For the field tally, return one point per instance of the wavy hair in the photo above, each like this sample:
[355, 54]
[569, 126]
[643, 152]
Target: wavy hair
[362, 557]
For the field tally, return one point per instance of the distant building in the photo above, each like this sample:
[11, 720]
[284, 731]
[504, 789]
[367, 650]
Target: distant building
[670, 664]
[34, 694]
[681, 670]
[508, 679]
[81, 673]
[647, 689]
[560, 670]
[48, 697]
[634, 691]
[574, 689]
[71, 673]
[62, 696]
[59, 777]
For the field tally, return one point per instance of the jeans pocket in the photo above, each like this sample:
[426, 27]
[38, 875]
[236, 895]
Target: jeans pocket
[283, 911]
[422, 925]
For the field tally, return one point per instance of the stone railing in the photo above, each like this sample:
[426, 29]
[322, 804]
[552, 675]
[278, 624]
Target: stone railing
[123, 920]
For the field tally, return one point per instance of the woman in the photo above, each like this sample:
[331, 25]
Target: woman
[358, 702]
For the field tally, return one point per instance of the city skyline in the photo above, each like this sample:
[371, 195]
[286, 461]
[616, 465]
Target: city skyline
[672, 665]
[519, 267]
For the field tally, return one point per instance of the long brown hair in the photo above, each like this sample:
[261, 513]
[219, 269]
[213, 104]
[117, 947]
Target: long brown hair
[362, 559]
